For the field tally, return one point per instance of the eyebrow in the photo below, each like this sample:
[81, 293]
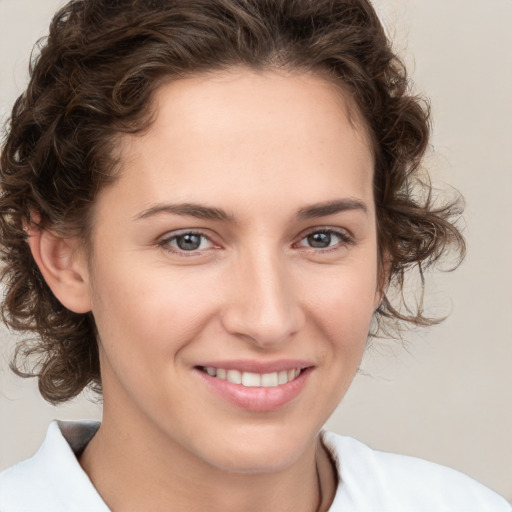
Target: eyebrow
[211, 213]
[330, 208]
[187, 209]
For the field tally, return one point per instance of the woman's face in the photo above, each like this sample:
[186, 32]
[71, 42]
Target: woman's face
[238, 244]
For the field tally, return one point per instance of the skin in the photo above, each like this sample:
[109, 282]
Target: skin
[262, 147]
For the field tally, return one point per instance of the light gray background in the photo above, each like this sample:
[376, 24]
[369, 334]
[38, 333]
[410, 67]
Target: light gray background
[446, 395]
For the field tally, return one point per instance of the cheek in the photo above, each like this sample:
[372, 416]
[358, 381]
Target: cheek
[343, 302]
[149, 310]
[342, 314]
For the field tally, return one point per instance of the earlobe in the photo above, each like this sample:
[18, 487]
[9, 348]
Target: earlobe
[63, 267]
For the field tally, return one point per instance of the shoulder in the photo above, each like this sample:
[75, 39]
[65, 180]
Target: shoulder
[373, 480]
[52, 479]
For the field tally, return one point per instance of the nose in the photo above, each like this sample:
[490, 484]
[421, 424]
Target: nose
[263, 305]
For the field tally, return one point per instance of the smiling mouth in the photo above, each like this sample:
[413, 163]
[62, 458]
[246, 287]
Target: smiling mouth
[253, 380]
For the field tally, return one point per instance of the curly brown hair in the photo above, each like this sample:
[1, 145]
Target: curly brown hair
[94, 78]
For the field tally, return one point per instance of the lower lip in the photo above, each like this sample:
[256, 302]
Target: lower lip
[257, 399]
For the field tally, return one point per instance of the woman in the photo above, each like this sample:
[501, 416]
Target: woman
[204, 206]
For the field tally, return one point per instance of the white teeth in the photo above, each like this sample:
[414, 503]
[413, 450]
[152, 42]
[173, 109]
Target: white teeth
[253, 380]
[269, 380]
[234, 376]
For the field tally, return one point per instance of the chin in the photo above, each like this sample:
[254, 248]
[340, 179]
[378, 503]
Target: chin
[260, 450]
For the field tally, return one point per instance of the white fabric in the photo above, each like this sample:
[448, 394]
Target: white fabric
[370, 481]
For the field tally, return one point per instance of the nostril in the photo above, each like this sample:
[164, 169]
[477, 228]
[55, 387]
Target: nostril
[262, 325]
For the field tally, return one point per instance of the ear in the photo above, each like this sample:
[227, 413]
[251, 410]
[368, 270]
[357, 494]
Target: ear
[64, 267]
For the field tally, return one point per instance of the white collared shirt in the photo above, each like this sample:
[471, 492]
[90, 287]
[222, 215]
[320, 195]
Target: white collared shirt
[369, 481]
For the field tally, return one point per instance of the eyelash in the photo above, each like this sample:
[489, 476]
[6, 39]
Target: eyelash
[344, 240]
[166, 243]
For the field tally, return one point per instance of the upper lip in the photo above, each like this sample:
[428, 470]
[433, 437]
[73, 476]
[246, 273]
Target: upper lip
[255, 366]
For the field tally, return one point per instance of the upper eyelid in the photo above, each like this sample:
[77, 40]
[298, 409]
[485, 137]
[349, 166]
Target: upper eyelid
[169, 235]
[180, 232]
[345, 233]
[173, 235]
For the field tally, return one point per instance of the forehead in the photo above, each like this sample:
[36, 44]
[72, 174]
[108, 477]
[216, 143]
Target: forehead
[245, 135]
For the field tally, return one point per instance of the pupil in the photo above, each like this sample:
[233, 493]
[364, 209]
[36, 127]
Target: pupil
[189, 242]
[319, 240]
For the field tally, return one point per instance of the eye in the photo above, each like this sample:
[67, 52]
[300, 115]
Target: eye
[186, 242]
[325, 239]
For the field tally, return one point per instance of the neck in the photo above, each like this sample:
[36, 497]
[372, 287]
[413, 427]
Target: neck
[138, 468]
